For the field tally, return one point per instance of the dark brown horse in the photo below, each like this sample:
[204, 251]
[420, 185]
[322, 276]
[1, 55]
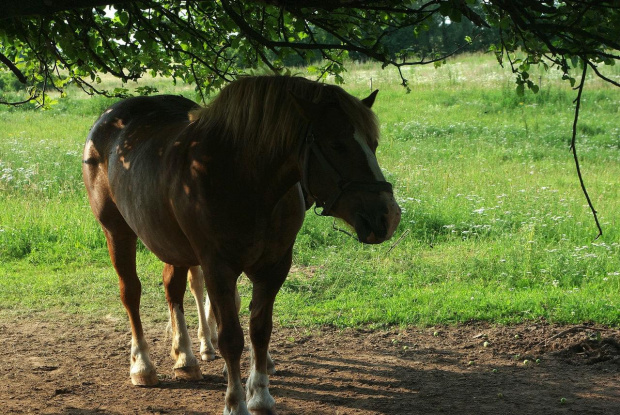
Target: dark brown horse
[219, 190]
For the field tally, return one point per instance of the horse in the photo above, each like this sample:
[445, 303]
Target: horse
[219, 190]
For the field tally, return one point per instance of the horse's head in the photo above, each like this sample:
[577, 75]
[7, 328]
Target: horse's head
[340, 172]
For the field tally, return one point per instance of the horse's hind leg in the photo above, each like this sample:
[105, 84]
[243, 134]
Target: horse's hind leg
[205, 331]
[186, 366]
[122, 247]
[211, 322]
[267, 283]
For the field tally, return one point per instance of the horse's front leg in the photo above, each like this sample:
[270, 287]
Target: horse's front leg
[221, 283]
[210, 316]
[186, 366]
[267, 283]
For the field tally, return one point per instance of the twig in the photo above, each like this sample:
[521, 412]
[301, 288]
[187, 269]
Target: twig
[574, 148]
[397, 241]
[568, 331]
[600, 75]
[18, 103]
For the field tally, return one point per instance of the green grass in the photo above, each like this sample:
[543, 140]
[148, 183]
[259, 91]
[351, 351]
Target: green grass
[495, 225]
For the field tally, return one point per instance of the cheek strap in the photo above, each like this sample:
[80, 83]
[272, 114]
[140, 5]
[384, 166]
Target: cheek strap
[311, 148]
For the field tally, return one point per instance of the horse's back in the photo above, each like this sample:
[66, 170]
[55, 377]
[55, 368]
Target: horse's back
[137, 112]
[129, 130]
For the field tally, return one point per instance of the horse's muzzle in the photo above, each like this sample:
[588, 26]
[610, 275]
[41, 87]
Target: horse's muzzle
[377, 225]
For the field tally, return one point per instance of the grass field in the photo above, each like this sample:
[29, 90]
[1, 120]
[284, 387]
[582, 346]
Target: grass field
[495, 225]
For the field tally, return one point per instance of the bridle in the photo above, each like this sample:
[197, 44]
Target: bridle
[309, 147]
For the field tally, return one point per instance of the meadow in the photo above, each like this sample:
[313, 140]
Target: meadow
[495, 226]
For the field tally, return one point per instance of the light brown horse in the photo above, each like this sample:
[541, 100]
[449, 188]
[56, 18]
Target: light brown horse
[219, 190]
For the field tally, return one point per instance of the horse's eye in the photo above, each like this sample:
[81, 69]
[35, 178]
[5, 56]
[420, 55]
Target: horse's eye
[338, 146]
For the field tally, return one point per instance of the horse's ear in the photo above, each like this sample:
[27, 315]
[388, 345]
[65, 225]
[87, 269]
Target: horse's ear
[307, 109]
[370, 99]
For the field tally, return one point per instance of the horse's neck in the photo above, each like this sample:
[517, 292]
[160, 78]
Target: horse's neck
[277, 178]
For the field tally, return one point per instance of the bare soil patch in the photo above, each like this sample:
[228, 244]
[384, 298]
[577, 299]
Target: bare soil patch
[65, 367]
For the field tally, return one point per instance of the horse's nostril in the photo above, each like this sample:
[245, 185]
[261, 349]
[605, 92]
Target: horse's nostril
[371, 229]
[383, 226]
[363, 227]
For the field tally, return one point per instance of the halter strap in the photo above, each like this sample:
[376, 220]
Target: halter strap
[310, 147]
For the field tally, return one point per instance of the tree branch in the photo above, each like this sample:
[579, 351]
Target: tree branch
[11, 9]
[13, 69]
[574, 148]
[259, 38]
[600, 75]
[18, 103]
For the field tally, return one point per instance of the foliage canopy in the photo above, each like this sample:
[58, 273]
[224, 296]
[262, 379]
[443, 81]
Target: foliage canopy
[46, 45]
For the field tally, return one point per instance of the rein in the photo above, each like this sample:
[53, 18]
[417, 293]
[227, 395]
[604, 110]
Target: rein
[310, 147]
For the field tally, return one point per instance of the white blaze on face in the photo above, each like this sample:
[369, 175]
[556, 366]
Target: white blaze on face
[370, 158]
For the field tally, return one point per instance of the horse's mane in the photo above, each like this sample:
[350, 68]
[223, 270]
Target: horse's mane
[258, 116]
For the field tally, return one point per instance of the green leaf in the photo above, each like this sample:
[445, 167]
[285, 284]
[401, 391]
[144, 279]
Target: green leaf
[123, 16]
[120, 91]
[455, 15]
[445, 9]
[569, 78]
[520, 89]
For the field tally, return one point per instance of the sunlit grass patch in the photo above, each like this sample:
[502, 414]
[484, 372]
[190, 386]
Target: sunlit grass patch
[494, 223]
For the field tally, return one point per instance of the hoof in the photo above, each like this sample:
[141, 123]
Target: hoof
[207, 357]
[263, 412]
[148, 379]
[242, 410]
[188, 373]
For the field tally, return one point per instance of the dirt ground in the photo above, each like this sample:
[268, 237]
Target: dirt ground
[61, 367]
